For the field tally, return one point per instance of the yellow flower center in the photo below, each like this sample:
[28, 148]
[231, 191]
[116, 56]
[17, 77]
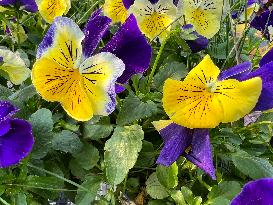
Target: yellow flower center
[211, 86]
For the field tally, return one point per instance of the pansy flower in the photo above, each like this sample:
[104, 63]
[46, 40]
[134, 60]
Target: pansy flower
[203, 100]
[204, 15]
[16, 138]
[258, 192]
[50, 9]
[28, 5]
[13, 67]
[68, 71]
[194, 144]
[154, 17]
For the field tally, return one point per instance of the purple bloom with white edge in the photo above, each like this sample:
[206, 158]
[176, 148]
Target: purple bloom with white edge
[28, 5]
[258, 192]
[16, 138]
[178, 139]
[199, 44]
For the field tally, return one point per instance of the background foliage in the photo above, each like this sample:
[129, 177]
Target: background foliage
[111, 160]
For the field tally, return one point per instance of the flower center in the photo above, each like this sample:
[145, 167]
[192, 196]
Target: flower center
[211, 86]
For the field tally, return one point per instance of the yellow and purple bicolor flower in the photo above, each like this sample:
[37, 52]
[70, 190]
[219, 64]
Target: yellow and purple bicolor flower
[16, 138]
[258, 192]
[241, 90]
[69, 71]
[28, 5]
[154, 17]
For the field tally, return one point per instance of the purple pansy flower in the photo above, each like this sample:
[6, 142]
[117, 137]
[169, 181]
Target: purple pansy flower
[177, 139]
[258, 192]
[262, 22]
[199, 44]
[16, 139]
[28, 5]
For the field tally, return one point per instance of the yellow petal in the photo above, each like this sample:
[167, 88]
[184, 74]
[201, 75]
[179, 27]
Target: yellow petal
[161, 124]
[99, 74]
[57, 83]
[115, 10]
[154, 19]
[238, 98]
[50, 9]
[205, 16]
[191, 105]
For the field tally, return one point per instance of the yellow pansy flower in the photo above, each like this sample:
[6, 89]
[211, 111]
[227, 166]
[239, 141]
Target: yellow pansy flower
[203, 101]
[50, 9]
[115, 10]
[154, 20]
[204, 15]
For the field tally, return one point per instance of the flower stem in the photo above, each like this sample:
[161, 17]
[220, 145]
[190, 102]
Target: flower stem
[156, 62]
[3, 201]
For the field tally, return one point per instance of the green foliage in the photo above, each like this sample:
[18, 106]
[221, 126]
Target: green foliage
[121, 152]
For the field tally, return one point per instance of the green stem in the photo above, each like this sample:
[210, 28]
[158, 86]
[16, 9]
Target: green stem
[156, 62]
[59, 177]
[3, 201]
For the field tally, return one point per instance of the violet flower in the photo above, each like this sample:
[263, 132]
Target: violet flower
[16, 139]
[28, 5]
[258, 192]
[178, 139]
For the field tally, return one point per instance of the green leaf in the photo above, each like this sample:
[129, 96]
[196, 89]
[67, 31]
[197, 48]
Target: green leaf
[42, 125]
[4, 92]
[155, 189]
[227, 189]
[97, 130]
[252, 166]
[188, 195]
[24, 94]
[219, 201]
[21, 199]
[173, 70]
[147, 155]
[88, 157]
[178, 197]
[121, 152]
[134, 109]
[167, 176]
[92, 183]
[67, 142]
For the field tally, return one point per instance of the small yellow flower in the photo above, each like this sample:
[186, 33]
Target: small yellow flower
[154, 20]
[50, 9]
[115, 10]
[204, 15]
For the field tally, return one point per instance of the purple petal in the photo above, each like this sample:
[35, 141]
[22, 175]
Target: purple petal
[16, 144]
[94, 30]
[4, 127]
[258, 192]
[265, 101]
[29, 5]
[176, 140]
[201, 153]
[7, 2]
[132, 48]
[1, 59]
[7, 110]
[236, 72]
[262, 22]
[128, 3]
[267, 58]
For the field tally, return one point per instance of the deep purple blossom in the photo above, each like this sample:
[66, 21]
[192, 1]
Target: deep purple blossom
[28, 5]
[258, 192]
[262, 22]
[16, 138]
